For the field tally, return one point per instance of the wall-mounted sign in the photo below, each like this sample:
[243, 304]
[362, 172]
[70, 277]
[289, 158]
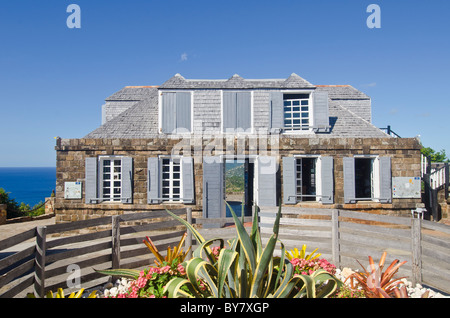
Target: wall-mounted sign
[406, 187]
[72, 190]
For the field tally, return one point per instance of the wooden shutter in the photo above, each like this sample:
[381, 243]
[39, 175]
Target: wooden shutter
[90, 180]
[236, 110]
[213, 187]
[320, 111]
[349, 179]
[243, 110]
[385, 180]
[276, 112]
[183, 111]
[188, 179]
[153, 182]
[168, 110]
[229, 110]
[127, 180]
[267, 185]
[327, 180]
[289, 181]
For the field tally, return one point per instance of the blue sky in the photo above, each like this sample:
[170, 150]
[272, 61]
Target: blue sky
[53, 80]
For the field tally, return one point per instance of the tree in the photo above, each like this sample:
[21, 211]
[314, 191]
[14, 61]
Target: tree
[439, 156]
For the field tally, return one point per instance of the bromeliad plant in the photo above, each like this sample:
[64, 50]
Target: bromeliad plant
[295, 253]
[172, 254]
[245, 269]
[378, 284]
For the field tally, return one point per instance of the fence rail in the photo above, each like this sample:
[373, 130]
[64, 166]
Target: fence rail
[345, 237]
[35, 261]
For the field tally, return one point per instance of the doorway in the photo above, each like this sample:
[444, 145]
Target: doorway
[239, 186]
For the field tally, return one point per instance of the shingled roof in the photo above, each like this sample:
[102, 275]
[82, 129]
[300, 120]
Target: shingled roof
[236, 82]
[141, 119]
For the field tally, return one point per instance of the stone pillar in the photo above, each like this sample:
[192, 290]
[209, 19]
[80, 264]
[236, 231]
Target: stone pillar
[50, 205]
[2, 214]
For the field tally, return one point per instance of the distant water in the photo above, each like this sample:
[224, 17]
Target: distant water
[28, 185]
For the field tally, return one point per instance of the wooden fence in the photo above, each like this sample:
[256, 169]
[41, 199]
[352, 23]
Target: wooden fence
[345, 237]
[37, 261]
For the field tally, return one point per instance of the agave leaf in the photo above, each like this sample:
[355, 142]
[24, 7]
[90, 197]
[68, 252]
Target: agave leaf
[205, 247]
[122, 272]
[173, 288]
[245, 241]
[226, 260]
[255, 235]
[197, 268]
[262, 266]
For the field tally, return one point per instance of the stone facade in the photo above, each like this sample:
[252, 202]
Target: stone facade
[71, 154]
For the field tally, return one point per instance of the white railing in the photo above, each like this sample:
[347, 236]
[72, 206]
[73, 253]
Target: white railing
[438, 173]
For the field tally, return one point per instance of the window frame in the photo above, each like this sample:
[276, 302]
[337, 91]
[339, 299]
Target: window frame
[309, 129]
[111, 197]
[317, 177]
[374, 178]
[171, 178]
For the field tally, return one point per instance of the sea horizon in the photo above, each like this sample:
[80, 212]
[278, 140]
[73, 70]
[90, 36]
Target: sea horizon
[30, 185]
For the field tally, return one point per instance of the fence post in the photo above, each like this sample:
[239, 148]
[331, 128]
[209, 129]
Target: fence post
[335, 250]
[39, 261]
[188, 241]
[115, 237]
[447, 179]
[416, 249]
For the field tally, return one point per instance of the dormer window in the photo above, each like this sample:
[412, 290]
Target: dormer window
[299, 111]
[296, 111]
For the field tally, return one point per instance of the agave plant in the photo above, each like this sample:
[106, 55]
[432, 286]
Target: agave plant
[172, 254]
[60, 294]
[295, 253]
[245, 269]
[378, 284]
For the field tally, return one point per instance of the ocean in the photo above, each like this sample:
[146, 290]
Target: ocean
[28, 185]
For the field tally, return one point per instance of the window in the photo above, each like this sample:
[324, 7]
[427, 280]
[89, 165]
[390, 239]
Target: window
[306, 179]
[367, 178]
[364, 178]
[296, 111]
[112, 179]
[108, 179]
[171, 179]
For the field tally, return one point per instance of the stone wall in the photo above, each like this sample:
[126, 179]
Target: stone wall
[71, 154]
[2, 214]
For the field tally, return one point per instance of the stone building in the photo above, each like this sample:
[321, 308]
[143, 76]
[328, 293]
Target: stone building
[299, 144]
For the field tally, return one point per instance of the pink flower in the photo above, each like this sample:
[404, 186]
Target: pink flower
[181, 269]
[164, 269]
